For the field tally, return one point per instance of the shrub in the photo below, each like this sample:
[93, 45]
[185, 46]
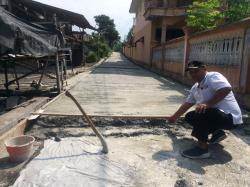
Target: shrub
[104, 50]
[92, 57]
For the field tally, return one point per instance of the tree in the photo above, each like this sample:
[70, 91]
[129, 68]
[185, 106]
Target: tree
[107, 30]
[205, 15]
[237, 10]
[130, 34]
[117, 46]
[97, 48]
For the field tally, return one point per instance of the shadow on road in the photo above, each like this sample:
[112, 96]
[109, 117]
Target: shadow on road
[243, 131]
[219, 156]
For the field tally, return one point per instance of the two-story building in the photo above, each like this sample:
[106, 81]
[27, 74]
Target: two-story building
[162, 42]
[156, 21]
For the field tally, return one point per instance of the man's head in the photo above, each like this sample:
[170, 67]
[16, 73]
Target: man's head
[197, 70]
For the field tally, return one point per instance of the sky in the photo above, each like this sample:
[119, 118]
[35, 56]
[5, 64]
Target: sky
[118, 10]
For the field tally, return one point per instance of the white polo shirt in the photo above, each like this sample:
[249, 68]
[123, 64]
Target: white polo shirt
[213, 81]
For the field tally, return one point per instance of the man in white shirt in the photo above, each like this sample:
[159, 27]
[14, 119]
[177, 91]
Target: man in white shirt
[215, 109]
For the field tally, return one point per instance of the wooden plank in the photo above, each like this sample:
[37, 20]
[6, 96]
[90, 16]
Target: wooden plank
[11, 118]
[17, 130]
[52, 101]
[94, 115]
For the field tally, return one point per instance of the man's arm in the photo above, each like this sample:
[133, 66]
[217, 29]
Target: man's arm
[218, 96]
[182, 109]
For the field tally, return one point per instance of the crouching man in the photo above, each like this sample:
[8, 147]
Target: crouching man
[216, 109]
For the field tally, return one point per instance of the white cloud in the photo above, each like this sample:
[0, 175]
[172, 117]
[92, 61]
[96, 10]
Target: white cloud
[115, 9]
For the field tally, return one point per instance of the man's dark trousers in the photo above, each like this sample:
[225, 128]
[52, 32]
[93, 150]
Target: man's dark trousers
[208, 122]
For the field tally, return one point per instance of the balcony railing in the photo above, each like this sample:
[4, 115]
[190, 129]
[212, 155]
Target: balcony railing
[154, 4]
[165, 8]
[181, 3]
[165, 4]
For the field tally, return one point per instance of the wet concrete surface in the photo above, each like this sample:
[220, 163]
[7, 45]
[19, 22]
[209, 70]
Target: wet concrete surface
[117, 87]
[143, 152]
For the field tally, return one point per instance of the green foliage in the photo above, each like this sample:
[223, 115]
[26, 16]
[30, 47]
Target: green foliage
[118, 46]
[237, 10]
[107, 30]
[104, 50]
[92, 57]
[98, 48]
[130, 34]
[204, 15]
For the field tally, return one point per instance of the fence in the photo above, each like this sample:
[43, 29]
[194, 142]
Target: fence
[225, 50]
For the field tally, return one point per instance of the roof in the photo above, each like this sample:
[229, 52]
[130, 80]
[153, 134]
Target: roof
[64, 15]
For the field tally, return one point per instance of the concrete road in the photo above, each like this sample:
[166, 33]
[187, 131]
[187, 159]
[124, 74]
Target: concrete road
[143, 152]
[120, 88]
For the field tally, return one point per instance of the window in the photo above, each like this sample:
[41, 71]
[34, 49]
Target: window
[158, 34]
[181, 3]
[174, 33]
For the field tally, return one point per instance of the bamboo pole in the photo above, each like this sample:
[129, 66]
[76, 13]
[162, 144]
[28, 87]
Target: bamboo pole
[103, 142]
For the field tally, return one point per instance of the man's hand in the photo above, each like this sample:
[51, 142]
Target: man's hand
[182, 109]
[171, 119]
[201, 108]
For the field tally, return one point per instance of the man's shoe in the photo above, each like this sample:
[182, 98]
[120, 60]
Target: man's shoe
[196, 153]
[217, 137]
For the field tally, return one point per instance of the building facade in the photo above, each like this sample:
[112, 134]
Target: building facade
[162, 42]
[155, 23]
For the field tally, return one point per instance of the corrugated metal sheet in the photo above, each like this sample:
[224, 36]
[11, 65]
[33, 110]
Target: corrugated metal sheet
[64, 15]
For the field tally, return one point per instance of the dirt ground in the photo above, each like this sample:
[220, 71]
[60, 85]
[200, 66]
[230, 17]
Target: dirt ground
[152, 149]
[28, 83]
[28, 91]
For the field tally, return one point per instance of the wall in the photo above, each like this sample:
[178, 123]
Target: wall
[140, 51]
[221, 50]
[225, 49]
[140, 21]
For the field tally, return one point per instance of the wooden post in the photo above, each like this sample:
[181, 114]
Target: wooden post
[9, 6]
[162, 57]
[82, 49]
[6, 75]
[71, 60]
[61, 72]
[163, 33]
[186, 50]
[44, 70]
[58, 74]
[163, 40]
[245, 61]
[65, 70]
[15, 73]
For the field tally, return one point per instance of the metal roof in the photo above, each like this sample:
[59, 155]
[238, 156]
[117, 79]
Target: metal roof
[64, 15]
